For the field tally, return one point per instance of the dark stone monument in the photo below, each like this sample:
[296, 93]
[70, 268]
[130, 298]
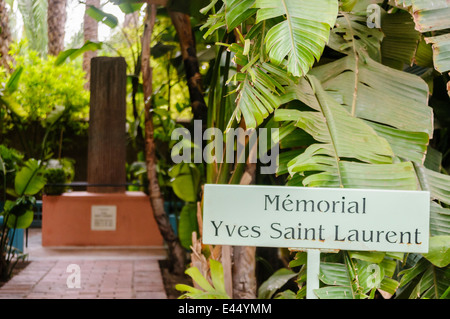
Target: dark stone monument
[107, 135]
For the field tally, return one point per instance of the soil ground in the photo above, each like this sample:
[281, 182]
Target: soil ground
[170, 280]
[18, 268]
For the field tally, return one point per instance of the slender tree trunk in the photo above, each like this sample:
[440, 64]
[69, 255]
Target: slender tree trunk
[5, 37]
[182, 24]
[90, 31]
[244, 257]
[56, 21]
[176, 252]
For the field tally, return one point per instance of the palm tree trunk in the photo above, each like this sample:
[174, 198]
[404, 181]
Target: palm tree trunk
[5, 37]
[90, 31]
[177, 253]
[56, 21]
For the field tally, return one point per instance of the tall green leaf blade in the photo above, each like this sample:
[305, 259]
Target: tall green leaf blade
[408, 275]
[74, 53]
[217, 276]
[14, 80]
[237, 11]
[197, 276]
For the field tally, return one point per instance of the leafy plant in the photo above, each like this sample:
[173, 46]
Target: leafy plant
[58, 172]
[206, 290]
[17, 211]
[41, 104]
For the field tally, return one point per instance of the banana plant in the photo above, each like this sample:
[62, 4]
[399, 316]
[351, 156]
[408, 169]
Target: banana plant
[352, 117]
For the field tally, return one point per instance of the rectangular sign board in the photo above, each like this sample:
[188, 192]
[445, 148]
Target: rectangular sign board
[321, 218]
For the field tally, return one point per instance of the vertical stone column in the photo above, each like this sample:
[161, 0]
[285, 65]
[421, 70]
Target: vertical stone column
[107, 120]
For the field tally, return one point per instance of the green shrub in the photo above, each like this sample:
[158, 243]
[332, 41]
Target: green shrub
[58, 172]
[48, 101]
[44, 86]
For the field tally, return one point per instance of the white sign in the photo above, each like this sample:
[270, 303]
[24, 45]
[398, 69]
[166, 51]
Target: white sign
[322, 218]
[103, 217]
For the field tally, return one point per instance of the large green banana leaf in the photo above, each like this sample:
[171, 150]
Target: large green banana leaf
[349, 152]
[382, 95]
[302, 34]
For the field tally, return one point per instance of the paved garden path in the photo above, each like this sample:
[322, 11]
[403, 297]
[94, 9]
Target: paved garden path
[87, 273]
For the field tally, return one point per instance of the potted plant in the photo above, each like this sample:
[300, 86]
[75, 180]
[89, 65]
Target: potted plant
[58, 173]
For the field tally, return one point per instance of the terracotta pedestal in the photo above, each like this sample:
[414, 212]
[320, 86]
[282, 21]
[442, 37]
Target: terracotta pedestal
[66, 220]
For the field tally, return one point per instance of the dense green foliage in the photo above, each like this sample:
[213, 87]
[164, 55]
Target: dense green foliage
[45, 101]
[352, 105]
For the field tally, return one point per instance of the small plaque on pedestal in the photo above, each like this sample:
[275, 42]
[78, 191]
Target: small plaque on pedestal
[103, 217]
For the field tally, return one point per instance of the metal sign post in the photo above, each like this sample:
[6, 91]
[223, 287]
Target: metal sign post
[313, 269]
[312, 272]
